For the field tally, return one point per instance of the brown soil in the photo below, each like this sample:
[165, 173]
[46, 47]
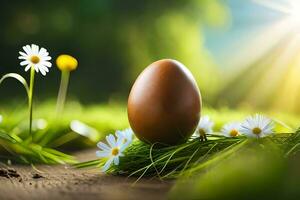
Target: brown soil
[64, 182]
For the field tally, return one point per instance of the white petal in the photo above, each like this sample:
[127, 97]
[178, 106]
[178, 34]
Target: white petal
[42, 67]
[102, 154]
[118, 134]
[206, 124]
[35, 49]
[111, 140]
[25, 62]
[47, 58]
[107, 164]
[123, 147]
[116, 160]
[22, 57]
[36, 68]
[45, 68]
[103, 146]
[27, 67]
[23, 54]
[27, 50]
[120, 140]
[43, 52]
[46, 63]
[42, 72]
[127, 144]
[250, 134]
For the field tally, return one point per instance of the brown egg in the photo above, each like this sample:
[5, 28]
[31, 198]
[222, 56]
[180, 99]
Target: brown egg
[164, 103]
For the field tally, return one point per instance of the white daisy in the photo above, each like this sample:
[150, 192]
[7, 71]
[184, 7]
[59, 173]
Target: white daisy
[231, 129]
[112, 151]
[257, 126]
[1, 119]
[204, 126]
[126, 135]
[35, 57]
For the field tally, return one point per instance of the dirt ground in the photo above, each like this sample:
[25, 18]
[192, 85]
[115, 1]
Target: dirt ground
[63, 182]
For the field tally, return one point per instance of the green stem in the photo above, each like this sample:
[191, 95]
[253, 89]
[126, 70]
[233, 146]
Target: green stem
[30, 99]
[64, 82]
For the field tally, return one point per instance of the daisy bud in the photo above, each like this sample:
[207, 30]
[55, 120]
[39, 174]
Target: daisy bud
[66, 63]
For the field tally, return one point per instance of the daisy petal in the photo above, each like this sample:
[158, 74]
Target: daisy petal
[23, 54]
[27, 50]
[124, 146]
[35, 49]
[25, 62]
[27, 67]
[46, 63]
[107, 164]
[102, 154]
[103, 146]
[42, 67]
[46, 58]
[116, 160]
[43, 52]
[22, 57]
[43, 72]
[205, 124]
[120, 140]
[111, 140]
[36, 68]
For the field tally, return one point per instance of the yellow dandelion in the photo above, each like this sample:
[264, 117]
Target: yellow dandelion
[66, 62]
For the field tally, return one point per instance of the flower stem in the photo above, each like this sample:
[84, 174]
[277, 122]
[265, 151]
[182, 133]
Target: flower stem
[30, 98]
[64, 82]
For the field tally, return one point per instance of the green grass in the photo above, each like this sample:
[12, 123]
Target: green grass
[255, 169]
[106, 118]
[167, 162]
[264, 169]
[57, 134]
[142, 159]
[23, 152]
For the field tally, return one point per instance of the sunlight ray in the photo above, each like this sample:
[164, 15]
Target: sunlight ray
[287, 97]
[268, 82]
[268, 61]
[253, 48]
[274, 5]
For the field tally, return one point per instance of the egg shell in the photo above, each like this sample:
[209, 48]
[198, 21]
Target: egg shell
[164, 104]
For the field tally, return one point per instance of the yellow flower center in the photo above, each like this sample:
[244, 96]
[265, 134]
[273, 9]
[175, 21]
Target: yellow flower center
[35, 59]
[256, 131]
[233, 133]
[115, 151]
[66, 63]
[201, 132]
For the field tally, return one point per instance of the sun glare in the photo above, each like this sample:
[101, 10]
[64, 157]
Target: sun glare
[295, 11]
[271, 60]
[288, 7]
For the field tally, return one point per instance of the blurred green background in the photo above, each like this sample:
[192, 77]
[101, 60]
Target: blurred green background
[113, 40]
[240, 52]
